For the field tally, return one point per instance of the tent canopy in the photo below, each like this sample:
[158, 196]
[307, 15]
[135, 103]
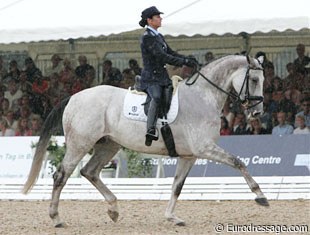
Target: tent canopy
[42, 20]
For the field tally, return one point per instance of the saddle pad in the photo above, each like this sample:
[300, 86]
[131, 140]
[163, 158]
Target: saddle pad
[133, 108]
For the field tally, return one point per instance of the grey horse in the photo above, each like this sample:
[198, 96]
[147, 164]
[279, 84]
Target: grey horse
[93, 118]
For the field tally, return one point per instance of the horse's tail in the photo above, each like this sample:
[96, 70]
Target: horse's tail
[52, 123]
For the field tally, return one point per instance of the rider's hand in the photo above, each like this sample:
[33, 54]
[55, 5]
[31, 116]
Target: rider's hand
[191, 62]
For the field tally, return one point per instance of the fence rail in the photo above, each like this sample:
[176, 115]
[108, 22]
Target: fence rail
[195, 188]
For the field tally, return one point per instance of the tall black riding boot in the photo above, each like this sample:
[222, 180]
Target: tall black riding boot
[151, 124]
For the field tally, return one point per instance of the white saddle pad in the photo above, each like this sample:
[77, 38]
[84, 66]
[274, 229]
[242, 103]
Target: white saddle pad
[133, 108]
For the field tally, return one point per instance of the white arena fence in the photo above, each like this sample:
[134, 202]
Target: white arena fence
[195, 188]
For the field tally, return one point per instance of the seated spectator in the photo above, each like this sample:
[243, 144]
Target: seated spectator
[23, 128]
[269, 74]
[134, 67]
[282, 128]
[128, 79]
[35, 125]
[305, 104]
[83, 67]
[288, 106]
[54, 89]
[14, 72]
[31, 70]
[209, 57]
[3, 71]
[224, 130]
[240, 125]
[5, 105]
[256, 127]
[11, 120]
[5, 130]
[13, 93]
[111, 75]
[24, 85]
[301, 125]
[67, 73]
[228, 114]
[56, 66]
[302, 60]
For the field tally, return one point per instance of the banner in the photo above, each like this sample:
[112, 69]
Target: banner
[264, 155]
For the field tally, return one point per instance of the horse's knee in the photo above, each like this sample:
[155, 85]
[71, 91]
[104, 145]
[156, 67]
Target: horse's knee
[59, 176]
[238, 163]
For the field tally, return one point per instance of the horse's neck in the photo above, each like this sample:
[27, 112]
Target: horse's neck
[219, 73]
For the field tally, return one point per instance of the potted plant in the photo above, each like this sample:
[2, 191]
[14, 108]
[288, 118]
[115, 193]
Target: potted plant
[138, 166]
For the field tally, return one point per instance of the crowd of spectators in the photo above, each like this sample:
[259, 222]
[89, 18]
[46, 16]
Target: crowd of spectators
[27, 95]
[286, 102]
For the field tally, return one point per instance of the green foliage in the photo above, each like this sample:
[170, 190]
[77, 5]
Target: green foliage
[138, 166]
[57, 154]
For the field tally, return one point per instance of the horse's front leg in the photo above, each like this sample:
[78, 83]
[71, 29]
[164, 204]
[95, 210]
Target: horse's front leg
[183, 167]
[215, 153]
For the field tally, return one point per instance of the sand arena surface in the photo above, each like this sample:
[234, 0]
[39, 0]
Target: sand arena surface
[147, 217]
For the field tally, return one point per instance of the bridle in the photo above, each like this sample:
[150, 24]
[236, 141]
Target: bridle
[237, 97]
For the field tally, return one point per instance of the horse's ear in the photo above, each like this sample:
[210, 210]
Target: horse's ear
[261, 59]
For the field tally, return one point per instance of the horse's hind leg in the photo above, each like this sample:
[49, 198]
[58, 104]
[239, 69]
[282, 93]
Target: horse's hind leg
[104, 150]
[70, 161]
[217, 154]
[183, 167]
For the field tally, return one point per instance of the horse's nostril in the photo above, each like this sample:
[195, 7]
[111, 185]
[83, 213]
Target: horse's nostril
[255, 113]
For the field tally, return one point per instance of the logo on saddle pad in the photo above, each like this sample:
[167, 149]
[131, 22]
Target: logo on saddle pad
[134, 110]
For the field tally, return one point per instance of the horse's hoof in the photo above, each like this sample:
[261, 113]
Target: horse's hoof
[262, 201]
[113, 215]
[61, 225]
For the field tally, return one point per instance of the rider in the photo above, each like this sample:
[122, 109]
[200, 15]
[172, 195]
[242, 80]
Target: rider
[156, 54]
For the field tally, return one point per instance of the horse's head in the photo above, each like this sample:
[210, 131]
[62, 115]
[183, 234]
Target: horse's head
[250, 85]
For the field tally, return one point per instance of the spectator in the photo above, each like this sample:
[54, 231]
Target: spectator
[305, 104]
[302, 60]
[128, 79]
[3, 72]
[5, 130]
[35, 125]
[224, 130]
[288, 106]
[301, 125]
[256, 127]
[269, 74]
[240, 125]
[134, 66]
[13, 94]
[54, 89]
[56, 65]
[32, 70]
[209, 57]
[228, 114]
[5, 105]
[14, 71]
[24, 85]
[67, 74]
[9, 117]
[81, 70]
[111, 75]
[23, 127]
[282, 128]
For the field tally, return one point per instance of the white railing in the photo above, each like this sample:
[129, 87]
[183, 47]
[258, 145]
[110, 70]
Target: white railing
[195, 188]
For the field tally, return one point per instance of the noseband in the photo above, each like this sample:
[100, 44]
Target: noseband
[237, 97]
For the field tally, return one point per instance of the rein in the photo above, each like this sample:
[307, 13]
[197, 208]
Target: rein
[245, 85]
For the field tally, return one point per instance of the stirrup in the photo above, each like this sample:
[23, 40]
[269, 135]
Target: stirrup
[149, 137]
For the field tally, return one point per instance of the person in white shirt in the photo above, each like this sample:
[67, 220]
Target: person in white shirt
[301, 126]
[4, 128]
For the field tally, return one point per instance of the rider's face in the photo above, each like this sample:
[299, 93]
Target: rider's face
[155, 21]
